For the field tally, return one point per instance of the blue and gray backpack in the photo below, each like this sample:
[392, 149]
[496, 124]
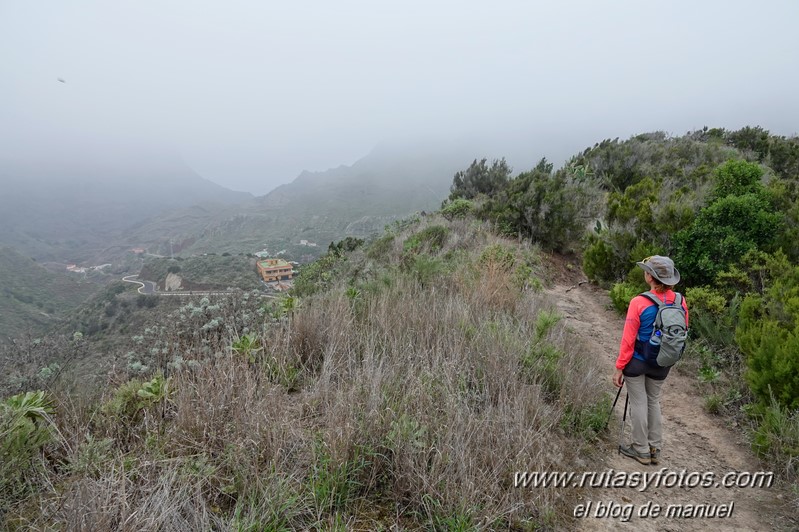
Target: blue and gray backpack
[667, 343]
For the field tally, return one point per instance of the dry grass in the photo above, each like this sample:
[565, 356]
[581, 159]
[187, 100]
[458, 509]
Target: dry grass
[405, 403]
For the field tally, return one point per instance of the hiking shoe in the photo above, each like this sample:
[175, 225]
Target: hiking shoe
[635, 455]
[654, 456]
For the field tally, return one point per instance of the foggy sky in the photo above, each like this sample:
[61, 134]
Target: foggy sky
[251, 93]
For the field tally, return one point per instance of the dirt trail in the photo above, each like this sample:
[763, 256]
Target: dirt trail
[694, 441]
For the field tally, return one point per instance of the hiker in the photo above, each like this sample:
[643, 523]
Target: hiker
[644, 377]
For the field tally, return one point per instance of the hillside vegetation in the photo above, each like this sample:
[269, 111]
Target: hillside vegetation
[205, 272]
[406, 379]
[407, 391]
[723, 204]
[357, 200]
[34, 298]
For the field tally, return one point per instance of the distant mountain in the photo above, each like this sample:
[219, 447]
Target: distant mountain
[72, 211]
[318, 207]
[34, 298]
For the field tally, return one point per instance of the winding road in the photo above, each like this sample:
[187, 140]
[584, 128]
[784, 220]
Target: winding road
[150, 288]
[147, 287]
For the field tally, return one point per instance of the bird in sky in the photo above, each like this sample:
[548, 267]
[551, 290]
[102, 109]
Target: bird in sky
[62, 80]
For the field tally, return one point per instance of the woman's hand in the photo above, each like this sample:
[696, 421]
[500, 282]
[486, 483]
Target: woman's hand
[618, 378]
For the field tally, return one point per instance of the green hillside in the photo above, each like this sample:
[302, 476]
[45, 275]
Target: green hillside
[205, 272]
[320, 207]
[725, 206]
[406, 378]
[35, 298]
[430, 362]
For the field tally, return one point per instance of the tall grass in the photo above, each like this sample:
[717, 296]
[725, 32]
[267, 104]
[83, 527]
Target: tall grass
[412, 404]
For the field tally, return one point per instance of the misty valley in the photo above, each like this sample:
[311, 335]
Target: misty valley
[358, 347]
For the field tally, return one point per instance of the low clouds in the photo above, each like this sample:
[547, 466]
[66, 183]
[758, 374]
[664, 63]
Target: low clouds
[250, 93]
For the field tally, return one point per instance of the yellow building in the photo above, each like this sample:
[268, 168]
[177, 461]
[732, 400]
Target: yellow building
[274, 269]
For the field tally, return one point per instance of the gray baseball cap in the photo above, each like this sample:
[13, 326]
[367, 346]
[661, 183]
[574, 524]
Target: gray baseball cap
[661, 268]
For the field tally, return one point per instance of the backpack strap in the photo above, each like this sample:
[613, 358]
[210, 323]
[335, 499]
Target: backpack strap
[642, 346]
[653, 298]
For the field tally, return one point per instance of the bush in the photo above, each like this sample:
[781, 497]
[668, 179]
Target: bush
[712, 317]
[458, 208]
[599, 260]
[777, 437]
[345, 246]
[740, 219]
[425, 269]
[499, 255]
[621, 294]
[611, 256]
[771, 351]
[480, 178]
[433, 238]
[588, 420]
[737, 178]
[706, 300]
[379, 249]
[634, 204]
[768, 334]
[24, 430]
[724, 232]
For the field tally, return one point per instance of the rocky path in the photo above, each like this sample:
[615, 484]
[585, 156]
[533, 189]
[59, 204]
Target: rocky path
[694, 442]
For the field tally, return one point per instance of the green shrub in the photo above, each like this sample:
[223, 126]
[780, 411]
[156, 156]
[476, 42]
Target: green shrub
[768, 334]
[425, 268]
[458, 208]
[248, 346]
[545, 321]
[25, 428]
[737, 177]
[317, 276]
[711, 316]
[634, 205]
[432, 238]
[621, 294]
[480, 178]
[706, 300]
[713, 404]
[586, 420]
[334, 484]
[740, 218]
[610, 257]
[724, 232]
[599, 260]
[133, 396]
[345, 246]
[777, 437]
[540, 364]
[380, 248]
[771, 355]
[498, 254]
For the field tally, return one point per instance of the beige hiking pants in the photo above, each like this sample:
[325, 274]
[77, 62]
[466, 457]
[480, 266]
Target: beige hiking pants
[644, 395]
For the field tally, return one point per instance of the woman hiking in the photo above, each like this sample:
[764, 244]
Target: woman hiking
[644, 377]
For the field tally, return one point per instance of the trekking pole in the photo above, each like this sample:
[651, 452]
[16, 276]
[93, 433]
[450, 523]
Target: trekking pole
[612, 408]
[623, 420]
